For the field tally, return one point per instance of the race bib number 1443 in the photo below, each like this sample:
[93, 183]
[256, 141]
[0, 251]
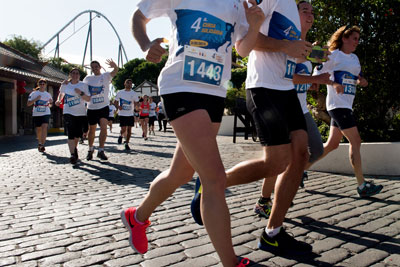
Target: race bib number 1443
[203, 66]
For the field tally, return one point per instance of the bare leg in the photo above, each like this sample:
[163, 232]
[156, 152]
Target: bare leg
[268, 186]
[129, 133]
[123, 131]
[91, 134]
[354, 152]
[39, 135]
[288, 182]
[274, 162]
[144, 123]
[103, 132]
[193, 131]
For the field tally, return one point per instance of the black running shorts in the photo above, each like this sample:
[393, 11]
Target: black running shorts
[276, 114]
[342, 118]
[178, 104]
[126, 121]
[94, 115]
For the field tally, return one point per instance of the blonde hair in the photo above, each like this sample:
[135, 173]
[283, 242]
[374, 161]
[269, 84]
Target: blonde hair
[335, 42]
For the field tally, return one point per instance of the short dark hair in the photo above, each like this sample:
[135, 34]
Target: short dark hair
[95, 61]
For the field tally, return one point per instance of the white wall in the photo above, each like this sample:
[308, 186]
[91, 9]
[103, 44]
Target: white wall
[377, 159]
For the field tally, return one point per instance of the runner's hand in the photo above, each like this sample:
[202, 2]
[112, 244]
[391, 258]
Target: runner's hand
[155, 51]
[254, 14]
[323, 78]
[111, 63]
[338, 87]
[297, 48]
[362, 81]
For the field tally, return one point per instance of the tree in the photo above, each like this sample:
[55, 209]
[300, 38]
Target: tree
[29, 47]
[66, 67]
[377, 106]
[139, 70]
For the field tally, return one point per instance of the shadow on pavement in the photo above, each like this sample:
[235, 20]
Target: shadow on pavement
[20, 143]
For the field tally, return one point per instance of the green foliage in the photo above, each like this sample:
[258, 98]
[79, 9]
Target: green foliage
[66, 67]
[29, 47]
[377, 105]
[138, 70]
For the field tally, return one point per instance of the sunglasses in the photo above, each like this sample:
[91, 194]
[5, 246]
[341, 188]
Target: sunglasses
[41, 83]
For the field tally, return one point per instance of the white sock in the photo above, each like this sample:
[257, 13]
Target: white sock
[273, 232]
[361, 187]
[139, 222]
[91, 148]
[101, 149]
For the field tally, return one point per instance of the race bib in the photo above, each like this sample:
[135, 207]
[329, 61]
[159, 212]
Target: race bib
[97, 100]
[290, 67]
[40, 109]
[302, 88]
[125, 104]
[203, 66]
[72, 100]
[348, 80]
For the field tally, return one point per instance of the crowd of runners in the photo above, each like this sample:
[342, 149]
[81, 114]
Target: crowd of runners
[193, 88]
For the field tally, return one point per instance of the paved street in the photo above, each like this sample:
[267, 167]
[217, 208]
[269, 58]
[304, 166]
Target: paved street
[53, 214]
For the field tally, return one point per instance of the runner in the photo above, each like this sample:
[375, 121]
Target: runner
[41, 101]
[272, 101]
[194, 102]
[161, 117]
[111, 115]
[345, 70]
[98, 110]
[152, 115]
[303, 82]
[75, 93]
[125, 101]
[144, 115]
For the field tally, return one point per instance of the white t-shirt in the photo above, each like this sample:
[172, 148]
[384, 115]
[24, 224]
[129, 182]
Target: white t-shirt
[274, 70]
[344, 69]
[111, 111]
[213, 27]
[126, 100]
[99, 89]
[41, 106]
[152, 112]
[73, 102]
[303, 68]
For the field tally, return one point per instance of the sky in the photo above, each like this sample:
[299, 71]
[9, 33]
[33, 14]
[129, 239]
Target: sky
[40, 20]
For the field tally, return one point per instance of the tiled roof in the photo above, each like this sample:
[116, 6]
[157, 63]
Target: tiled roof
[32, 68]
[33, 75]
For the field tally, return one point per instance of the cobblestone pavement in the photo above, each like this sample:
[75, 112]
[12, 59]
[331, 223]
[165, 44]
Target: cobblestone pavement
[55, 215]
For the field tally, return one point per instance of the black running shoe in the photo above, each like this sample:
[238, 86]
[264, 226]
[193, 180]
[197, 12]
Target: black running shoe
[73, 159]
[369, 189]
[120, 140]
[101, 155]
[283, 243]
[304, 178]
[89, 155]
[127, 148]
[76, 153]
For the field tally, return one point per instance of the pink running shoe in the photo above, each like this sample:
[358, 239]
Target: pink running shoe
[243, 263]
[137, 238]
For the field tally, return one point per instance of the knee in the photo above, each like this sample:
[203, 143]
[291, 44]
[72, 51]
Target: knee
[215, 184]
[279, 163]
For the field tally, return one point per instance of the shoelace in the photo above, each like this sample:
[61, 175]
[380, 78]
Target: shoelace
[243, 263]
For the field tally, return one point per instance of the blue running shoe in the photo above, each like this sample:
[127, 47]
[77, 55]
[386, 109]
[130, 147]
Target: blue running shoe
[369, 189]
[195, 205]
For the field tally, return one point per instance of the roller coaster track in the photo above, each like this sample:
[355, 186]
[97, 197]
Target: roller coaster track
[121, 49]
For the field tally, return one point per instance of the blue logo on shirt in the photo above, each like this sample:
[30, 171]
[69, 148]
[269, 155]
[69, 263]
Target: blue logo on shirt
[197, 28]
[125, 104]
[281, 28]
[96, 90]
[348, 80]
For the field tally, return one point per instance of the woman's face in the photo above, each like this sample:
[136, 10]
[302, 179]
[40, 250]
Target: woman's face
[351, 42]
[42, 85]
[75, 75]
[306, 14]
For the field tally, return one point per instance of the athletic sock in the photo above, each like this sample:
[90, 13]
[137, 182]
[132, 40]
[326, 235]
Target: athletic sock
[273, 232]
[91, 148]
[139, 222]
[361, 187]
[264, 200]
[101, 149]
